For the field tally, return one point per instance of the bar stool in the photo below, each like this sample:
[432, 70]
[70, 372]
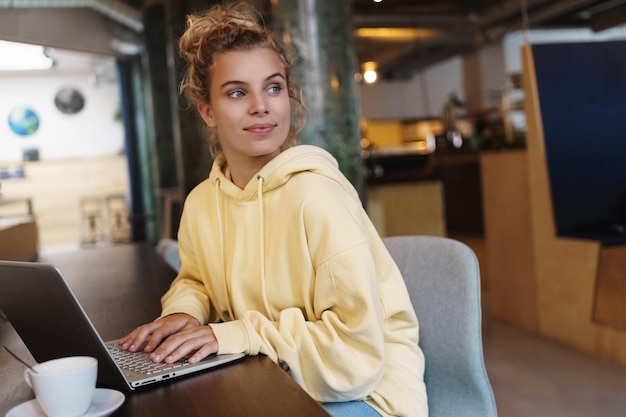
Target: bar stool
[92, 221]
[117, 216]
[171, 198]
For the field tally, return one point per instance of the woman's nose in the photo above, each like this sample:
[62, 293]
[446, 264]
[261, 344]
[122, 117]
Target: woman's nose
[259, 105]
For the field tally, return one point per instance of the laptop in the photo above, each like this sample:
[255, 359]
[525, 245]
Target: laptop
[51, 322]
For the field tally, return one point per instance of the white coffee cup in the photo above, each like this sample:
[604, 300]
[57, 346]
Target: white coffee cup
[64, 387]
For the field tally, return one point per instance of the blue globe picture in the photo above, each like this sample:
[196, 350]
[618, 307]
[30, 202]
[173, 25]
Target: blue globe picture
[23, 121]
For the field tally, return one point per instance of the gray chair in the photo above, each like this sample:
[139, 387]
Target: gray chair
[168, 250]
[443, 280]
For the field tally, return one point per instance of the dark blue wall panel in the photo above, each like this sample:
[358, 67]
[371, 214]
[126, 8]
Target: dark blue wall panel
[582, 94]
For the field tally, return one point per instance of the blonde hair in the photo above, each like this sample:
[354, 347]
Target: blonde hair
[227, 28]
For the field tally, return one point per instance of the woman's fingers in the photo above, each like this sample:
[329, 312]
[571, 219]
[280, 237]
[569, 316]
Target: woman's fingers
[152, 334]
[138, 337]
[195, 344]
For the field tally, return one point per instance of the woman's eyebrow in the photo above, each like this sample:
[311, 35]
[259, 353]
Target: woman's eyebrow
[232, 82]
[237, 82]
[278, 74]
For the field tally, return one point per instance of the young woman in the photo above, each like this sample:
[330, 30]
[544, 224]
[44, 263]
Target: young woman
[278, 255]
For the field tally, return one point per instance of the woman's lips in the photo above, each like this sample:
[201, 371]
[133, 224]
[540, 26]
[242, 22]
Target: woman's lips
[260, 128]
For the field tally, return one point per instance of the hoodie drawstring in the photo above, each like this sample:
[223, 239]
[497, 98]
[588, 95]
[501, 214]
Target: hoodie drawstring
[221, 233]
[260, 180]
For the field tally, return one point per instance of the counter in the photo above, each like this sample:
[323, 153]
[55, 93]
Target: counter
[415, 193]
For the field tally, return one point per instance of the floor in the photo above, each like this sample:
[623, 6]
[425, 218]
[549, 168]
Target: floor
[532, 376]
[535, 377]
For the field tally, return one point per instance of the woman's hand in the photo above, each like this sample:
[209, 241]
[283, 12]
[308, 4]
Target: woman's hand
[171, 338]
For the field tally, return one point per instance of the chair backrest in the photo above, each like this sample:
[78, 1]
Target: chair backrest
[168, 249]
[443, 280]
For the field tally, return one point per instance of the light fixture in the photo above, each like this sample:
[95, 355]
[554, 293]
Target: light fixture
[397, 34]
[370, 73]
[125, 47]
[370, 76]
[23, 57]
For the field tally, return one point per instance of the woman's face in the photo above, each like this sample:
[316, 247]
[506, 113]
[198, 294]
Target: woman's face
[250, 106]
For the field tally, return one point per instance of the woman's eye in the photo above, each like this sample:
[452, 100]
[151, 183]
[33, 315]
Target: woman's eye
[236, 94]
[275, 89]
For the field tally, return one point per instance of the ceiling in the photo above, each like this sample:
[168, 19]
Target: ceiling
[404, 36]
[401, 36]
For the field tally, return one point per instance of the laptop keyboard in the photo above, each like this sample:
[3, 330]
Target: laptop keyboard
[140, 361]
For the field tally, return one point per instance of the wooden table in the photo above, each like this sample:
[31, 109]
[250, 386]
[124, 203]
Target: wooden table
[120, 287]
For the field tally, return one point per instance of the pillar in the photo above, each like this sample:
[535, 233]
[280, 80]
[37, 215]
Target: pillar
[180, 155]
[320, 34]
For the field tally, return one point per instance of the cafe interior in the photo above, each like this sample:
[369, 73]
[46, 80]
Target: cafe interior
[498, 124]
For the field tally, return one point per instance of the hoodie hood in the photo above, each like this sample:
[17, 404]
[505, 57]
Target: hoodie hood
[278, 171]
[273, 175]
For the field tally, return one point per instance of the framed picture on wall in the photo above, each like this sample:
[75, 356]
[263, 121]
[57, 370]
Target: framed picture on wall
[23, 121]
[69, 100]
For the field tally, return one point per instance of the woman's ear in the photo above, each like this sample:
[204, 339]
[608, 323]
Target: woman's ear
[207, 115]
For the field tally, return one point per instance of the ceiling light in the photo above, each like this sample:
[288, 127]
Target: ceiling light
[370, 73]
[397, 34]
[370, 76]
[23, 57]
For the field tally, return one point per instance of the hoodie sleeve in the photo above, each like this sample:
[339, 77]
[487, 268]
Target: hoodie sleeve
[187, 294]
[335, 357]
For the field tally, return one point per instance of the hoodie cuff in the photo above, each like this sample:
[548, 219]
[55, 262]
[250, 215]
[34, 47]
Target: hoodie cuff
[232, 337]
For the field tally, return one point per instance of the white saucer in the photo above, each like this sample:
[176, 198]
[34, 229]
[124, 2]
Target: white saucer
[104, 402]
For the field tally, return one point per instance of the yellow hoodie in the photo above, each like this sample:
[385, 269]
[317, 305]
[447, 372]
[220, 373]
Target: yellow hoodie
[291, 267]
